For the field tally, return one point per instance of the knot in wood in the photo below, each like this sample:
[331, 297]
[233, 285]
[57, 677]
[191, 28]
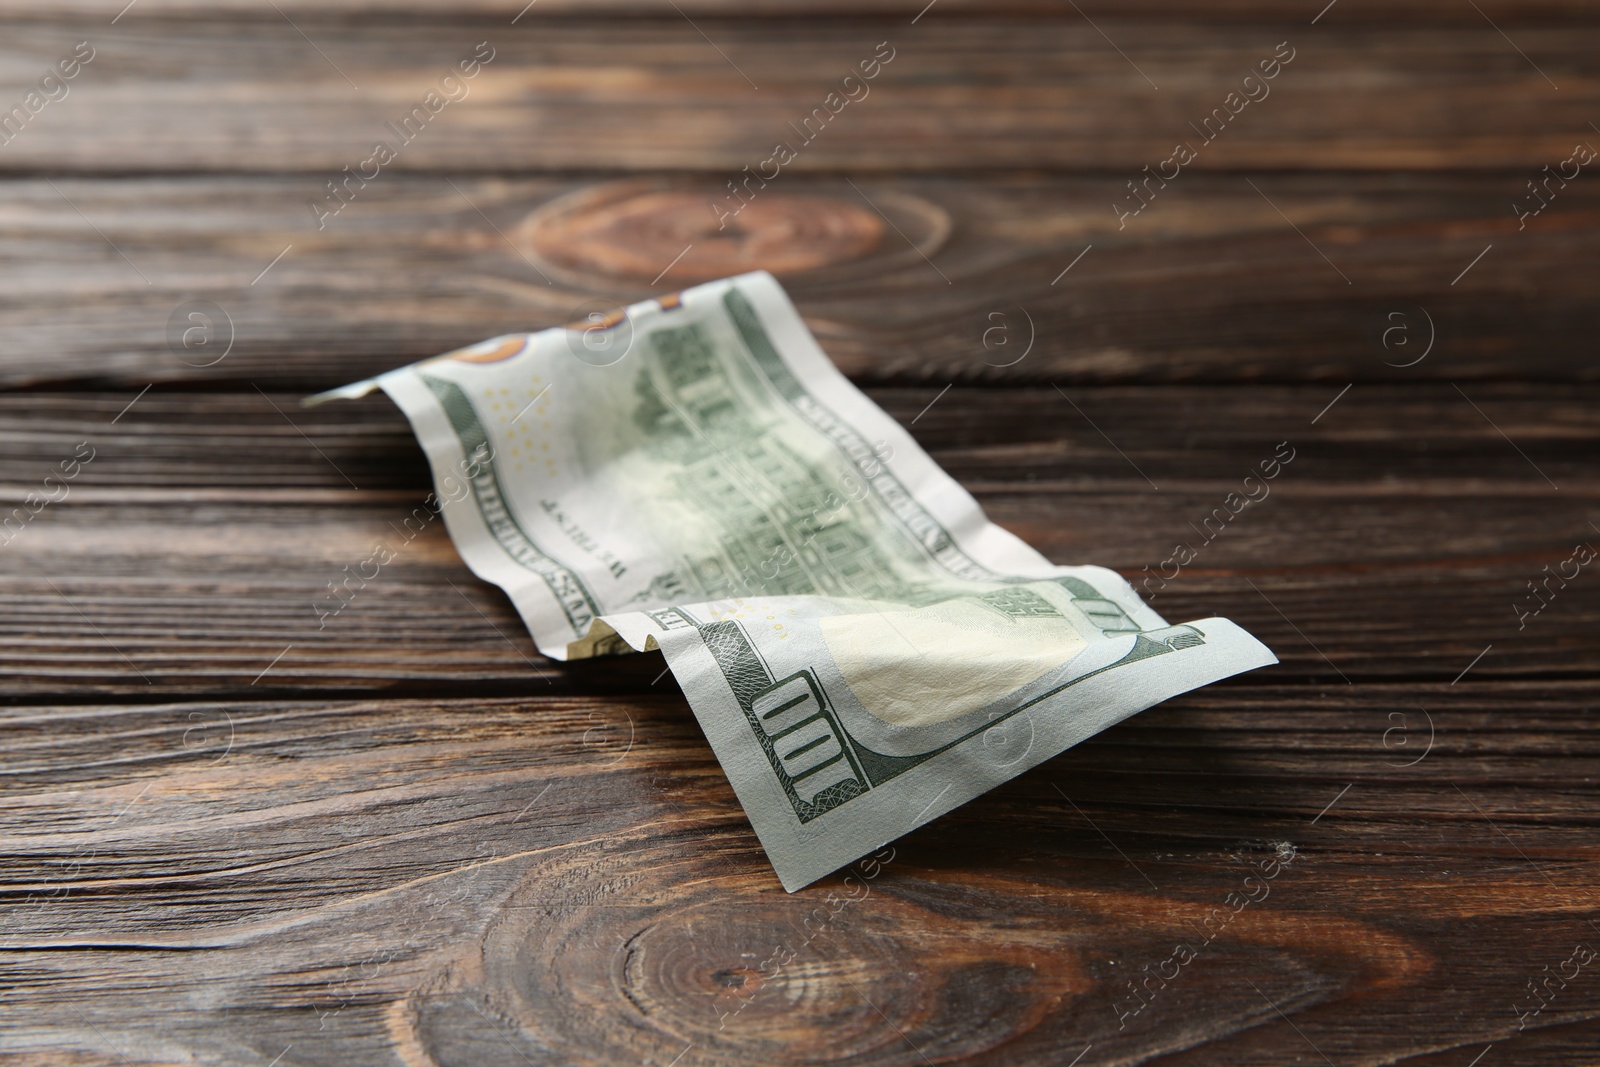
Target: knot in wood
[673, 236]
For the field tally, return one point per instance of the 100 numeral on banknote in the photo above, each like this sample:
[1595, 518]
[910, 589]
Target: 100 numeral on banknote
[862, 647]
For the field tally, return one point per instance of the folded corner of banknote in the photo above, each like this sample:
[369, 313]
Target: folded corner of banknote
[863, 648]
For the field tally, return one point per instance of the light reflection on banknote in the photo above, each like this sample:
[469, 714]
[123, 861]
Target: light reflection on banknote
[862, 647]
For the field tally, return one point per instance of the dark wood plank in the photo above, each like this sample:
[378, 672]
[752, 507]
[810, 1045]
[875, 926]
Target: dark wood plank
[1515, 12]
[655, 95]
[572, 881]
[166, 615]
[1386, 441]
[1210, 283]
[1394, 545]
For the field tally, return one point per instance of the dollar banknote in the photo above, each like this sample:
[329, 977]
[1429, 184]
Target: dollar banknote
[864, 650]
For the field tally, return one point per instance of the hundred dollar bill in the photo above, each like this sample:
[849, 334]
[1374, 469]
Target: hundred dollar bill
[864, 650]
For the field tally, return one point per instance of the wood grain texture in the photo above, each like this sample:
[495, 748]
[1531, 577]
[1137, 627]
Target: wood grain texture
[240, 834]
[993, 95]
[1209, 283]
[570, 880]
[1398, 495]
[1514, 12]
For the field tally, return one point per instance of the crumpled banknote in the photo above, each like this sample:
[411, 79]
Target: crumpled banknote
[864, 650]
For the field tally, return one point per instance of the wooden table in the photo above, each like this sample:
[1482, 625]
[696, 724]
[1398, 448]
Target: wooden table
[236, 835]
